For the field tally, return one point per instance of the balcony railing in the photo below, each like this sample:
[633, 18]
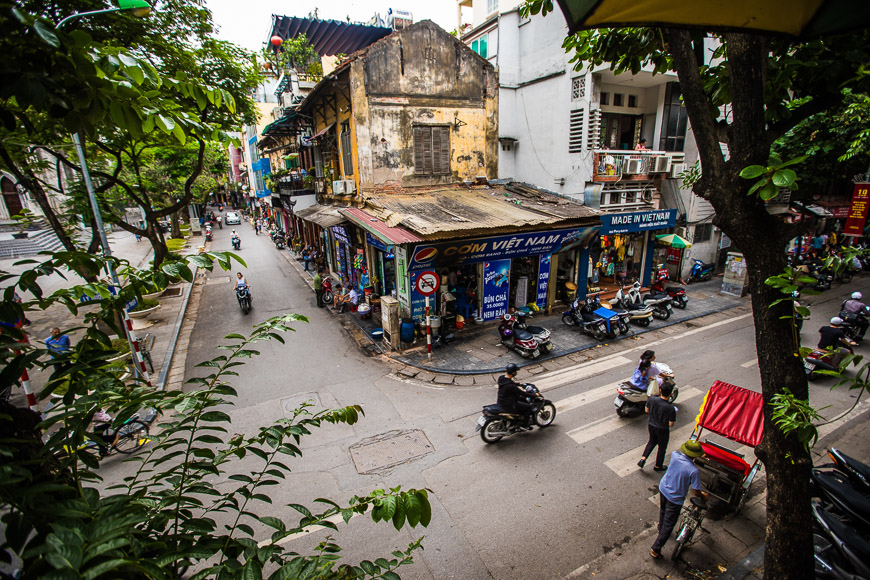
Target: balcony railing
[621, 165]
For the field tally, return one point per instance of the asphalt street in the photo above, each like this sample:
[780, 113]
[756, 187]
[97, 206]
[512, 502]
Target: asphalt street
[535, 506]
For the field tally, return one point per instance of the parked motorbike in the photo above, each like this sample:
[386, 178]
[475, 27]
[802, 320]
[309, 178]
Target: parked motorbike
[541, 334]
[243, 295]
[678, 295]
[594, 326]
[279, 240]
[639, 313]
[495, 423]
[208, 233]
[661, 306]
[840, 552]
[700, 272]
[237, 243]
[522, 341]
[613, 321]
[824, 360]
[824, 277]
[632, 401]
[328, 296]
[858, 473]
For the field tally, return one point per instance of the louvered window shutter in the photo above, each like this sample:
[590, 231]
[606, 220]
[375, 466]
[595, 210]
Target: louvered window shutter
[418, 149]
[443, 152]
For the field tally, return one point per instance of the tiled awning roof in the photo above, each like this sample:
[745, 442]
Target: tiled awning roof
[323, 215]
[437, 213]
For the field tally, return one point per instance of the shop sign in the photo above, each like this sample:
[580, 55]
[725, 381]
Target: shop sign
[376, 243]
[340, 234]
[496, 287]
[841, 211]
[543, 280]
[498, 247]
[673, 256]
[402, 290]
[624, 223]
[857, 210]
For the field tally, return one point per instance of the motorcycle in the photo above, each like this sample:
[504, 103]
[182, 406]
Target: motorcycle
[594, 326]
[541, 334]
[839, 551]
[208, 233]
[661, 306]
[237, 243]
[700, 272]
[522, 341]
[824, 360]
[678, 295]
[495, 423]
[614, 320]
[858, 473]
[279, 241]
[639, 313]
[243, 295]
[824, 277]
[328, 296]
[632, 401]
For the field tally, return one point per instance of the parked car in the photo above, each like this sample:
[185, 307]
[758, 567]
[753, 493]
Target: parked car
[232, 218]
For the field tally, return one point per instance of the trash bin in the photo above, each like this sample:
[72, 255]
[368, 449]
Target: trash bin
[406, 331]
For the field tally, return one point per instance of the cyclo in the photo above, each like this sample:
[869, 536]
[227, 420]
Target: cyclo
[734, 413]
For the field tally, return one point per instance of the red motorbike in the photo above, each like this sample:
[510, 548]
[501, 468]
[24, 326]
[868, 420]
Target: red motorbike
[328, 296]
[678, 295]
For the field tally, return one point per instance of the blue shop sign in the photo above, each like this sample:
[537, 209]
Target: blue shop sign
[625, 223]
[498, 247]
[340, 235]
[376, 243]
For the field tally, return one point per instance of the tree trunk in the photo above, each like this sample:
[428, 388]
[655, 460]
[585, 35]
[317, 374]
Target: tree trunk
[176, 228]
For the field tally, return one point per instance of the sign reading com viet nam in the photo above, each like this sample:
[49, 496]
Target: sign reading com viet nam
[497, 247]
[857, 210]
[624, 223]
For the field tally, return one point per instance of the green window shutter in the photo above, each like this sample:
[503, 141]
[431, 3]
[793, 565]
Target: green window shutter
[483, 46]
[474, 46]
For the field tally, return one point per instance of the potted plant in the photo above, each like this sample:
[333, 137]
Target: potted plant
[25, 220]
[145, 307]
[122, 346]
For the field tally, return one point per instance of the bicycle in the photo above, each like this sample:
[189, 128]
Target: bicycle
[129, 437]
[690, 520]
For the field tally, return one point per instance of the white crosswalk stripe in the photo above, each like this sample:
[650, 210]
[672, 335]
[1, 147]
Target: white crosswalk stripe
[570, 375]
[750, 363]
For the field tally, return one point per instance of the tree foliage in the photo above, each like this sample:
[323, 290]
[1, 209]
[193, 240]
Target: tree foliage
[174, 514]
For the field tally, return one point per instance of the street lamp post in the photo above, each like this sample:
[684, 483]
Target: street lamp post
[139, 8]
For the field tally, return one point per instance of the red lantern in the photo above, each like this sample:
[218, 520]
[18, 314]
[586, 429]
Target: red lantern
[277, 40]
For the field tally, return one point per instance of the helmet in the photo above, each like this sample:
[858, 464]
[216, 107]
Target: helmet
[511, 369]
[857, 296]
[836, 321]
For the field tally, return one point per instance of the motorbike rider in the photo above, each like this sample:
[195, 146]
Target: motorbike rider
[241, 282]
[833, 336]
[854, 306]
[645, 372]
[511, 395]
[234, 236]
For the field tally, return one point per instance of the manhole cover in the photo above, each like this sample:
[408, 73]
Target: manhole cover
[218, 280]
[387, 450]
[169, 292]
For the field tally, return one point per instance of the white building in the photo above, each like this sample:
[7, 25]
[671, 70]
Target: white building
[576, 133]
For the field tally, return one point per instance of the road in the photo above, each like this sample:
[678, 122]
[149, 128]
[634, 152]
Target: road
[534, 506]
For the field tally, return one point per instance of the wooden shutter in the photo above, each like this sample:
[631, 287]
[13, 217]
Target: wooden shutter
[431, 150]
[427, 150]
[418, 149]
[442, 152]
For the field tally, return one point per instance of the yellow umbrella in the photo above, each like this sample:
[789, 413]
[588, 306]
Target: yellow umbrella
[674, 241]
[799, 18]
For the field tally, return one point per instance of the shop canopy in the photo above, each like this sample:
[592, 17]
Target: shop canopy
[796, 18]
[379, 229]
[323, 215]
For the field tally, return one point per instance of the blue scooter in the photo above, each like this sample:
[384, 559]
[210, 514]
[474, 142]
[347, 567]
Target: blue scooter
[700, 272]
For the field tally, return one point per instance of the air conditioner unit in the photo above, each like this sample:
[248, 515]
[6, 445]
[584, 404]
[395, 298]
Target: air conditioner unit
[318, 186]
[349, 186]
[661, 164]
[681, 231]
[677, 168]
[632, 166]
[338, 187]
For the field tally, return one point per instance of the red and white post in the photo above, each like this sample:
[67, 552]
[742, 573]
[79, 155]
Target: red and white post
[138, 359]
[428, 331]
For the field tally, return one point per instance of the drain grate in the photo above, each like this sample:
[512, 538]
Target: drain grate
[380, 453]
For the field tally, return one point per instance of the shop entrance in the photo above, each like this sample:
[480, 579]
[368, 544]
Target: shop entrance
[615, 261]
[523, 281]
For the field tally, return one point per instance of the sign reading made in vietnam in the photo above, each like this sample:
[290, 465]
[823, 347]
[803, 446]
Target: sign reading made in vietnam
[624, 223]
[497, 247]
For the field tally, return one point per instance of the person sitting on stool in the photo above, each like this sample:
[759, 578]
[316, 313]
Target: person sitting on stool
[349, 300]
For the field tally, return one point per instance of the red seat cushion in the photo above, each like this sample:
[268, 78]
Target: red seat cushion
[729, 460]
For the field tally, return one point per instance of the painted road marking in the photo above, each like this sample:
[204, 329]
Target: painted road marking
[750, 363]
[589, 396]
[607, 425]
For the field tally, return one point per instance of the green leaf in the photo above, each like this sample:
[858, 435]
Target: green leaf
[46, 34]
[784, 177]
[768, 192]
[752, 172]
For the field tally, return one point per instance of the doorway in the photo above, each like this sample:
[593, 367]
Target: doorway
[11, 197]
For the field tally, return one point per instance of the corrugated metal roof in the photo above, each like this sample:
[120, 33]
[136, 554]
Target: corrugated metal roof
[462, 211]
[378, 228]
[322, 215]
[328, 37]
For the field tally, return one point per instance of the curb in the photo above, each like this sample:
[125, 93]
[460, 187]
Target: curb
[173, 342]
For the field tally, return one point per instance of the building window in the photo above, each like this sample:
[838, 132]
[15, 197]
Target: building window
[431, 150]
[578, 88]
[575, 131]
[346, 150]
[617, 99]
[675, 120]
[605, 99]
[491, 6]
[703, 233]
[479, 45]
[632, 101]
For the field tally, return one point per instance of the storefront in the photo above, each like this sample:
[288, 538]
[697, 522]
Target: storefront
[488, 276]
[625, 250]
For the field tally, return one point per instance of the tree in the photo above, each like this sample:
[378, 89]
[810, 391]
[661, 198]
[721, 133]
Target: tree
[174, 516]
[766, 86]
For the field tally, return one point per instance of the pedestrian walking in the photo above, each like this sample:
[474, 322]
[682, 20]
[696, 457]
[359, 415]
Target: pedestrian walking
[16, 298]
[662, 417]
[318, 288]
[58, 345]
[682, 475]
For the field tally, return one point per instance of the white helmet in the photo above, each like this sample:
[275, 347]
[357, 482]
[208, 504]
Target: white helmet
[836, 321]
[857, 296]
